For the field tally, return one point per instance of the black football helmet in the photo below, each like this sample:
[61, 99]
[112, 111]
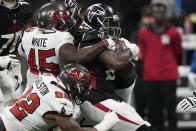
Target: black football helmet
[10, 5]
[72, 7]
[101, 17]
[76, 80]
[53, 15]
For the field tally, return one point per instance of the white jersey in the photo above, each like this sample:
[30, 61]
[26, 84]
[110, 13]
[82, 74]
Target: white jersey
[42, 51]
[27, 113]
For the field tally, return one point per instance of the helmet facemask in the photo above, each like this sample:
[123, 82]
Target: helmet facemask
[10, 5]
[111, 26]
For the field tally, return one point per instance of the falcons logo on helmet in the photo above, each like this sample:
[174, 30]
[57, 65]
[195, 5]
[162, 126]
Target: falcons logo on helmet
[79, 75]
[58, 16]
[70, 3]
[94, 10]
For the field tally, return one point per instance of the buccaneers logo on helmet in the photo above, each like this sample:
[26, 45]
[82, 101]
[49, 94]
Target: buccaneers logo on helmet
[58, 16]
[79, 75]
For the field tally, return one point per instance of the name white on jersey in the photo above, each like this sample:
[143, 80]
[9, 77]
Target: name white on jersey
[42, 51]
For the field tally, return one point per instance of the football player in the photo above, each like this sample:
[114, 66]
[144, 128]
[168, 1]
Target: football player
[124, 83]
[14, 16]
[102, 97]
[49, 102]
[110, 25]
[50, 44]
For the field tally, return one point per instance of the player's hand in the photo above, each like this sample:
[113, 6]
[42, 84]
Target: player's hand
[187, 104]
[110, 44]
[133, 48]
[5, 62]
[8, 61]
[110, 119]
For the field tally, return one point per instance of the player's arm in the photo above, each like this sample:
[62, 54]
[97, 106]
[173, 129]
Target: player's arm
[69, 124]
[115, 60]
[69, 53]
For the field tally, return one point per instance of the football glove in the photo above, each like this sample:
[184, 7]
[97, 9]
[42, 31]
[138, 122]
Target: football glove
[110, 119]
[132, 47]
[5, 62]
[110, 44]
[187, 104]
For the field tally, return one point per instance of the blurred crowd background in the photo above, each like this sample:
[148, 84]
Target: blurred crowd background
[134, 14]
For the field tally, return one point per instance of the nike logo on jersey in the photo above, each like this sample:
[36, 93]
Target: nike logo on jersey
[39, 42]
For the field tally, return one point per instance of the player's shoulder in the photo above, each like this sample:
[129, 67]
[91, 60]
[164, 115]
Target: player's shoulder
[63, 34]
[25, 7]
[29, 32]
[49, 79]
[56, 94]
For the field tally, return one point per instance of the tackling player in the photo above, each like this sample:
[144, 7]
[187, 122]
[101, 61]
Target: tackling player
[124, 78]
[49, 103]
[102, 97]
[50, 44]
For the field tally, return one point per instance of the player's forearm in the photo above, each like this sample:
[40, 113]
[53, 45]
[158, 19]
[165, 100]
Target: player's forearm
[85, 55]
[70, 54]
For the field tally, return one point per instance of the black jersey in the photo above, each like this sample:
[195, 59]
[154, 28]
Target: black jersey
[11, 27]
[103, 78]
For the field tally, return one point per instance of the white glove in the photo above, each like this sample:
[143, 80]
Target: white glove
[9, 60]
[110, 119]
[133, 48]
[4, 61]
[187, 104]
[110, 44]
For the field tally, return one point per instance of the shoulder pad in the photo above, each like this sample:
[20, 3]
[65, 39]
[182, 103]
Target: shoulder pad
[25, 7]
[92, 36]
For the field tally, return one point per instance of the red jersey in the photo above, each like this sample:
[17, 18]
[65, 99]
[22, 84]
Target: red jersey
[160, 53]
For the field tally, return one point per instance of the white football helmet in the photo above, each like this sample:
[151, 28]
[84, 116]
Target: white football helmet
[10, 5]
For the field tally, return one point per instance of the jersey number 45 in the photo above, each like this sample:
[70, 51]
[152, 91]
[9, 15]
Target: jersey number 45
[43, 66]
